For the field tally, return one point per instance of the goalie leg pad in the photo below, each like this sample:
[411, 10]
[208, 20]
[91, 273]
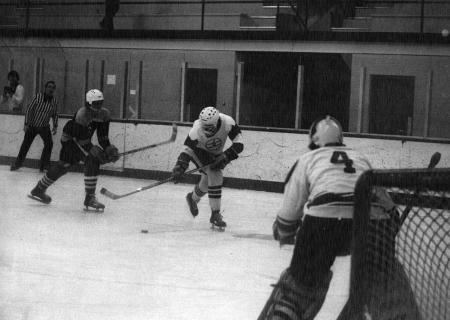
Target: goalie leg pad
[292, 301]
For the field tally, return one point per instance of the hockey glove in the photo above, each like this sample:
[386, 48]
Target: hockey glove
[180, 167]
[381, 197]
[7, 91]
[112, 153]
[284, 231]
[99, 154]
[177, 173]
[220, 162]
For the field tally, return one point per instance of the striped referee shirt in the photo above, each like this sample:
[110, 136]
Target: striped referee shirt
[40, 111]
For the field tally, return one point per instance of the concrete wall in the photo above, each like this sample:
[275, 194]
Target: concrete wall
[431, 99]
[147, 73]
[267, 155]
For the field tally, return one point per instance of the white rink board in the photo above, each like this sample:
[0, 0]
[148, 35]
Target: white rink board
[266, 156]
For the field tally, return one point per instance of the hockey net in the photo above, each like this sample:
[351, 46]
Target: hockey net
[402, 271]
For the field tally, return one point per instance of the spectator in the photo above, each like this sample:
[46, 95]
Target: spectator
[13, 93]
[111, 8]
[40, 110]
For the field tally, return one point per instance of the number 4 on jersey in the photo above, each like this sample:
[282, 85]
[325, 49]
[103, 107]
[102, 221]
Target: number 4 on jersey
[341, 157]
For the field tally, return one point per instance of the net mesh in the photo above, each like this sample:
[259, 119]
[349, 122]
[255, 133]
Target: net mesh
[401, 271]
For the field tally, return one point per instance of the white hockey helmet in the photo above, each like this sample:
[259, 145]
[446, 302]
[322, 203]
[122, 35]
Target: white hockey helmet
[94, 95]
[209, 117]
[325, 131]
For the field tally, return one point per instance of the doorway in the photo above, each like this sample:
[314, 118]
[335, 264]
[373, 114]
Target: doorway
[200, 91]
[391, 104]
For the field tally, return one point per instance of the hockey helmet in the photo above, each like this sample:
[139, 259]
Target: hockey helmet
[209, 117]
[94, 95]
[325, 131]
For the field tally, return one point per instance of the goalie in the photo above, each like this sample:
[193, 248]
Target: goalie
[77, 146]
[316, 216]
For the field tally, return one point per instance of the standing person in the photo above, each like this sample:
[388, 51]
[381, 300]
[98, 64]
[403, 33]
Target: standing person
[13, 93]
[111, 8]
[77, 146]
[204, 145]
[316, 215]
[43, 107]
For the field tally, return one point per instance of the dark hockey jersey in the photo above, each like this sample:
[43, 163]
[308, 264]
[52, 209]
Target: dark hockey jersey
[83, 125]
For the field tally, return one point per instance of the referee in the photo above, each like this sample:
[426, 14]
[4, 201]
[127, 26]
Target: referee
[43, 107]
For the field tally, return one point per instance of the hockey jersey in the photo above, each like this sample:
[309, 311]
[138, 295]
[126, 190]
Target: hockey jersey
[322, 183]
[205, 148]
[83, 125]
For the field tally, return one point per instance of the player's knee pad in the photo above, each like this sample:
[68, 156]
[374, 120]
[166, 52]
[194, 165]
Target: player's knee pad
[58, 170]
[203, 183]
[292, 301]
[215, 177]
[91, 166]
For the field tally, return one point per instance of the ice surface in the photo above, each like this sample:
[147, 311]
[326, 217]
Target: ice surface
[58, 262]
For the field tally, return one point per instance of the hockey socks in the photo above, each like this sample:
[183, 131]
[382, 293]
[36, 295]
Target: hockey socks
[54, 173]
[45, 182]
[215, 196]
[197, 194]
[90, 184]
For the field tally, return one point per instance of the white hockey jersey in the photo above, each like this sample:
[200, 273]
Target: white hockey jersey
[215, 144]
[322, 183]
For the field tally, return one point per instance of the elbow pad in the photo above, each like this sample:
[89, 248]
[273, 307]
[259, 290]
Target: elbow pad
[233, 151]
[183, 160]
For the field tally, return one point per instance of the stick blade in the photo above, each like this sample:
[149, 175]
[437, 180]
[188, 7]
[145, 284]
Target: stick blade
[435, 158]
[109, 194]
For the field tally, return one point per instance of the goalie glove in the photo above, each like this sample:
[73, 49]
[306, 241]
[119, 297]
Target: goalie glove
[112, 153]
[284, 231]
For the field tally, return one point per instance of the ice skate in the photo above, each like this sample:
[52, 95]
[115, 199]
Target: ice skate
[91, 204]
[39, 195]
[192, 204]
[216, 221]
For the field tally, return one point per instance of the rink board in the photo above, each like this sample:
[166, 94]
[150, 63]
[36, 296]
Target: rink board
[267, 155]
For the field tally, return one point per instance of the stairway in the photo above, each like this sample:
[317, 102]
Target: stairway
[392, 16]
[319, 17]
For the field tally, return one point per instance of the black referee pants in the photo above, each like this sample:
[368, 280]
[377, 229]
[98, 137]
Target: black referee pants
[28, 139]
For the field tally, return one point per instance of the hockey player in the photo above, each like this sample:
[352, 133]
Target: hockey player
[204, 145]
[316, 215]
[77, 146]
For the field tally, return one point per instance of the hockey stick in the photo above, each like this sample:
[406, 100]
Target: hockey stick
[114, 196]
[435, 158]
[171, 139]
[81, 148]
